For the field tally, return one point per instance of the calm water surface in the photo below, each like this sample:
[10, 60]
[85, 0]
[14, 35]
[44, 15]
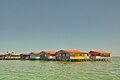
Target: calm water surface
[48, 70]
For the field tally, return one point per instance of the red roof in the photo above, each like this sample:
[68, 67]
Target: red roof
[50, 52]
[98, 52]
[35, 52]
[72, 51]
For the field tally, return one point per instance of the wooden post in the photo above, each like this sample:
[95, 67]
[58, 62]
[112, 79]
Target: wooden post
[95, 58]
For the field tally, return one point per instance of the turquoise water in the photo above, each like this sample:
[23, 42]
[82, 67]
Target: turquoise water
[48, 70]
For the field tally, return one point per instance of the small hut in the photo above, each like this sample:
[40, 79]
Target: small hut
[34, 56]
[43, 55]
[96, 54]
[24, 56]
[47, 55]
[70, 55]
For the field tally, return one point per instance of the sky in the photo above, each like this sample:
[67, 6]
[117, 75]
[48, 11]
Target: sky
[36, 25]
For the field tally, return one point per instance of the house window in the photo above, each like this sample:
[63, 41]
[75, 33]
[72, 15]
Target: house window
[92, 54]
[63, 54]
[98, 55]
[80, 54]
[59, 54]
[105, 55]
[45, 55]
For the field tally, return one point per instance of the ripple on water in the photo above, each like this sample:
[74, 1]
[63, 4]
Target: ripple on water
[47, 70]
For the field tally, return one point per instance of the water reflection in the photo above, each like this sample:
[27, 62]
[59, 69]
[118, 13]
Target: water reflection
[60, 70]
[77, 62]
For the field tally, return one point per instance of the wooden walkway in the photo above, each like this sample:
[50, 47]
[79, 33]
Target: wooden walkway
[74, 60]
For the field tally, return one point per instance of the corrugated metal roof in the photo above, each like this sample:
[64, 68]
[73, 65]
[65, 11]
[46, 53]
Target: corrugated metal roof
[50, 52]
[35, 52]
[99, 52]
[72, 51]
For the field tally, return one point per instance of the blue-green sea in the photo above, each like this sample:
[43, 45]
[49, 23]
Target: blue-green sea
[56, 70]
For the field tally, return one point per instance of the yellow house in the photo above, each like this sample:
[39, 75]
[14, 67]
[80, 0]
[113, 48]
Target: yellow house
[75, 54]
[69, 55]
